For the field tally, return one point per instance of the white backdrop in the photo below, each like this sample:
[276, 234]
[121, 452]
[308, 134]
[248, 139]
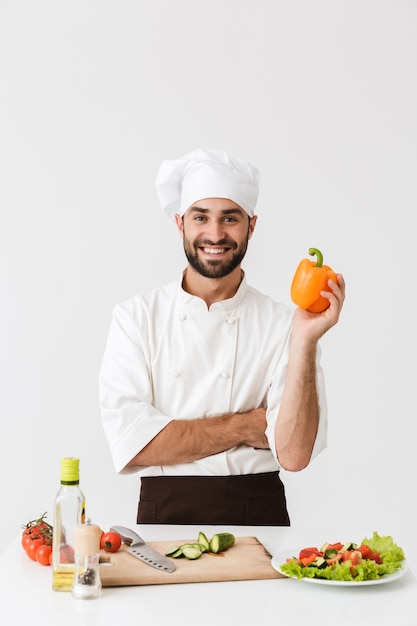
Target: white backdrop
[322, 97]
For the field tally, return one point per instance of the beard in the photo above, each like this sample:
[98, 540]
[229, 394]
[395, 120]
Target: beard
[215, 268]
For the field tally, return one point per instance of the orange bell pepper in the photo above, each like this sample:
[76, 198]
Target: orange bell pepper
[309, 280]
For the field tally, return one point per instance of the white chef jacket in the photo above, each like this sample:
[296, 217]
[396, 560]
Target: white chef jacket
[170, 357]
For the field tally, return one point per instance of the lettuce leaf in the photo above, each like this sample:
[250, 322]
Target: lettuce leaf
[387, 548]
[391, 555]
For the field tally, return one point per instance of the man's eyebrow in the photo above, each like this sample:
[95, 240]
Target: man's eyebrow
[229, 211]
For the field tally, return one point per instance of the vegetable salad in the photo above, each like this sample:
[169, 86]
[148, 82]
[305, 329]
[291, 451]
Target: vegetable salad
[373, 558]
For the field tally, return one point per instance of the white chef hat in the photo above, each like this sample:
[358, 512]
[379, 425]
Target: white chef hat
[206, 174]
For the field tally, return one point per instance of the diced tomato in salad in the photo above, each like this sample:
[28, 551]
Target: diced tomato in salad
[332, 553]
[334, 546]
[367, 553]
[307, 552]
[306, 560]
[354, 556]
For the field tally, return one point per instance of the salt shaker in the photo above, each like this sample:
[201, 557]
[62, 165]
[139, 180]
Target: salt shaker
[87, 583]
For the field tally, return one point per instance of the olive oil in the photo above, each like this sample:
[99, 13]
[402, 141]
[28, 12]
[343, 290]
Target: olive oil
[62, 579]
[69, 512]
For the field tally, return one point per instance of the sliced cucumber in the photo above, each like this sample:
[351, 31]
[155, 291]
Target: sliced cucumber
[190, 551]
[218, 543]
[176, 554]
[191, 545]
[203, 541]
[330, 554]
[221, 542]
[173, 551]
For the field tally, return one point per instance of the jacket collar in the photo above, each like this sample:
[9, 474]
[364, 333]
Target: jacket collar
[228, 305]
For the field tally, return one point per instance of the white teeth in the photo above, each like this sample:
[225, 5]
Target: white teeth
[213, 250]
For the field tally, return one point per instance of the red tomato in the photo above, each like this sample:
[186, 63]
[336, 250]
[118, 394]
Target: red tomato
[354, 556]
[306, 560]
[334, 546]
[43, 554]
[32, 547]
[26, 539]
[374, 556]
[40, 530]
[365, 551]
[31, 532]
[110, 541]
[307, 552]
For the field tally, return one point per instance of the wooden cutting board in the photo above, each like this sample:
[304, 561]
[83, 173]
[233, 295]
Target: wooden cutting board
[247, 559]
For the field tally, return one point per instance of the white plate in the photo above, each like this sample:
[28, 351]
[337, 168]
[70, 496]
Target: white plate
[279, 559]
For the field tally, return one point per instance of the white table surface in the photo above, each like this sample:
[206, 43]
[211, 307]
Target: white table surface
[27, 596]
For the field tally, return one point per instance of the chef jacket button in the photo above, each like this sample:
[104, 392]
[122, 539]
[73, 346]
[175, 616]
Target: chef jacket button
[182, 317]
[176, 373]
[225, 375]
[230, 320]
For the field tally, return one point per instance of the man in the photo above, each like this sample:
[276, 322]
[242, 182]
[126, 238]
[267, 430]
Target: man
[208, 387]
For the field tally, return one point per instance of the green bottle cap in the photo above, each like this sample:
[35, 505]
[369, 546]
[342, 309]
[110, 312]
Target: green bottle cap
[70, 471]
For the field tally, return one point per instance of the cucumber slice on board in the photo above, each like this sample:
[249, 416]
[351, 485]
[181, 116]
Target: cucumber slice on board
[202, 540]
[218, 543]
[191, 552]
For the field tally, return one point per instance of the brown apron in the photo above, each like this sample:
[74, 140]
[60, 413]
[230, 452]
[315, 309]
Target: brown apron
[250, 500]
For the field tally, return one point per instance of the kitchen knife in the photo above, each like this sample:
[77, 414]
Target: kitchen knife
[139, 549]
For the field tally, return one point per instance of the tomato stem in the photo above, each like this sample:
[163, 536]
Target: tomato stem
[315, 251]
[39, 528]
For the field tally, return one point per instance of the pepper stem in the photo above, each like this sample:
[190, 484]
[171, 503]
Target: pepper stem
[314, 251]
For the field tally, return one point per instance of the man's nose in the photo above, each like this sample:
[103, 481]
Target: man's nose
[215, 231]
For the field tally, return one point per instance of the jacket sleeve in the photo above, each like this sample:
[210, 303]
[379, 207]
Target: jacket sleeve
[128, 416]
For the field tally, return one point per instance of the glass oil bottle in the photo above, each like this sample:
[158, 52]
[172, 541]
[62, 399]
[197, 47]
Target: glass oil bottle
[69, 512]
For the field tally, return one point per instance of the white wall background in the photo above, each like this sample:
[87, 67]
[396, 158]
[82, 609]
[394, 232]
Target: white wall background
[322, 97]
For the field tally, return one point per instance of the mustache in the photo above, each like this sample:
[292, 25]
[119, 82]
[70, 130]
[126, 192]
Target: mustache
[229, 243]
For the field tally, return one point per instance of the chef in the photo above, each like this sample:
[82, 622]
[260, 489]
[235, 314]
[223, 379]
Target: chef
[208, 388]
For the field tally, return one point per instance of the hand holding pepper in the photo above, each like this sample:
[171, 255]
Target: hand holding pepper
[309, 280]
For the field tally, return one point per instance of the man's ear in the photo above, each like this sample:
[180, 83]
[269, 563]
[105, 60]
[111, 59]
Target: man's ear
[179, 223]
[252, 224]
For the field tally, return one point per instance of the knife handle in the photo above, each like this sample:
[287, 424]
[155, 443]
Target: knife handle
[129, 537]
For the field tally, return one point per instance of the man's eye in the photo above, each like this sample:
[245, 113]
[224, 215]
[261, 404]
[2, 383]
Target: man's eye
[199, 218]
[230, 219]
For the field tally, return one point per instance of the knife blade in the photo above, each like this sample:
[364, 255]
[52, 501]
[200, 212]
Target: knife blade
[138, 548]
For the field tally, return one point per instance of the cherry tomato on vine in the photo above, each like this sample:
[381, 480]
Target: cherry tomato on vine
[26, 540]
[30, 533]
[37, 529]
[43, 554]
[32, 547]
[110, 541]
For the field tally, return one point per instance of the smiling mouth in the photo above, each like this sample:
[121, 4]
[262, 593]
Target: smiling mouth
[209, 250]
